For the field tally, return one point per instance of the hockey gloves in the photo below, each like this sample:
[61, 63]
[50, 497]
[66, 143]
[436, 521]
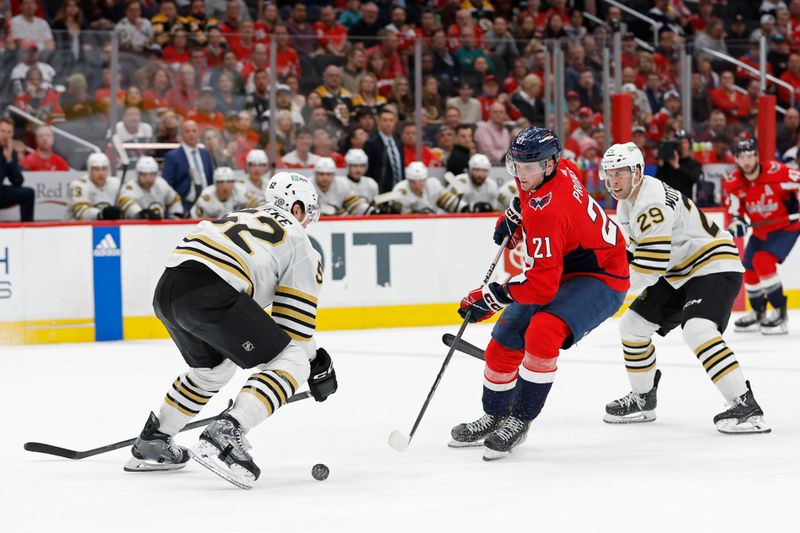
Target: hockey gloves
[322, 382]
[110, 212]
[508, 225]
[149, 214]
[482, 303]
[737, 227]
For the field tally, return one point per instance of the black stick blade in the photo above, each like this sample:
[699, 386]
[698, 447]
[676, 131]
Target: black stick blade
[463, 346]
[39, 447]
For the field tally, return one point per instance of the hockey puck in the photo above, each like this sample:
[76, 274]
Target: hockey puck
[320, 472]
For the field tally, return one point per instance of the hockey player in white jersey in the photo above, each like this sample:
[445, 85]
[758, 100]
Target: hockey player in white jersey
[691, 274]
[257, 163]
[93, 196]
[356, 160]
[420, 194]
[149, 196]
[478, 194]
[224, 196]
[212, 299]
[336, 195]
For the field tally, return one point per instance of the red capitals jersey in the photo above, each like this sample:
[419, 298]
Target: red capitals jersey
[772, 196]
[567, 234]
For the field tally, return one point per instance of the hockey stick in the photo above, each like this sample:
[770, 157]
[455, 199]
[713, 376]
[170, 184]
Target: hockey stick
[123, 158]
[791, 218]
[398, 440]
[463, 346]
[49, 449]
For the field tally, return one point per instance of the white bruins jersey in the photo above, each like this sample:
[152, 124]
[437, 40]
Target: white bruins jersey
[505, 193]
[365, 187]
[670, 237]
[160, 197]
[434, 198]
[210, 206]
[340, 198]
[265, 253]
[472, 194]
[87, 200]
[254, 192]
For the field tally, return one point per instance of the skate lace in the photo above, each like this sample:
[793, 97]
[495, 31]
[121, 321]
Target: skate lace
[511, 426]
[484, 422]
[631, 398]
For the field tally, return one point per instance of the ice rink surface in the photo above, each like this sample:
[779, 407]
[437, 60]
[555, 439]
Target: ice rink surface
[574, 473]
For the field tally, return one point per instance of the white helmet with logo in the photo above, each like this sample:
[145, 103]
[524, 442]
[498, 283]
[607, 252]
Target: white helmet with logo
[257, 157]
[97, 160]
[479, 162]
[286, 188]
[626, 155]
[146, 165]
[325, 165]
[224, 174]
[356, 156]
[416, 171]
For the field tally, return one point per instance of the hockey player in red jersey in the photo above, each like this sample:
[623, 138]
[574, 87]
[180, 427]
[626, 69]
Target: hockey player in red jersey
[575, 277]
[766, 194]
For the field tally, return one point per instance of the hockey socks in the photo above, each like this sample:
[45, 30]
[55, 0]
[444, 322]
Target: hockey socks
[536, 377]
[263, 394]
[640, 362]
[717, 358]
[182, 403]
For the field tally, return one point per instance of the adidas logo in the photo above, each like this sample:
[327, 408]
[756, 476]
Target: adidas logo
[107, 247]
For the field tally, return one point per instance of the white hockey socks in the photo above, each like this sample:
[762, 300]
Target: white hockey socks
[640, 362]
[190, 393]
[719, 361]
[263, 394]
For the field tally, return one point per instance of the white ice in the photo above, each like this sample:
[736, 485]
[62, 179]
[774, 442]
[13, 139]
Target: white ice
[574, 473]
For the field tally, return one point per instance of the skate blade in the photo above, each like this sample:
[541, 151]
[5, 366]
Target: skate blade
[493, 455]
[753, 425]
[458, 444]
[638, 418]
[142, 465]
[777, 330]
[208, 456]
[747, 329]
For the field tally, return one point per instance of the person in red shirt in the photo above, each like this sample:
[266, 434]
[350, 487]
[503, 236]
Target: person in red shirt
[331, 36]
[183, 95]
[44, 158]
[792, 77]
[670, 110]
[216, 47]
[734, 104]
[286, 58]
[177, 52]
[575, 277]
[388, 50]
[764, 192]
[206, 114]
[408, 136]
[258, 61]
[491, 94]
[155, 96]
[455, 31]
[244, 42]
[323, 146]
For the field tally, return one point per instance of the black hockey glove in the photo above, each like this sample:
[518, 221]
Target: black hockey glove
[110, 212]
[149, 214]
[508, 222]
[482, 207]
[738, 227]
[322, 382]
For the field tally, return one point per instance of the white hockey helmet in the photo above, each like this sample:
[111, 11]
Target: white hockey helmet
[257, 157]
[325, 165]
[416, 171]
[223, 174]
[146, 165]
[626, 155]
[286, 188]
[356, 156]
[97, 160]
[479, 162]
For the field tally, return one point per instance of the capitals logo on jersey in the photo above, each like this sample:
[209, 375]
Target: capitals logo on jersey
[540, 202]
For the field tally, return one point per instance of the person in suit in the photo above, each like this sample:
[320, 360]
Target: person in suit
[188, 169]
[385, 153]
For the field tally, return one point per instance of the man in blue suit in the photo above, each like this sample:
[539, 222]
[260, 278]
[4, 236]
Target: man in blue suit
[188, 169]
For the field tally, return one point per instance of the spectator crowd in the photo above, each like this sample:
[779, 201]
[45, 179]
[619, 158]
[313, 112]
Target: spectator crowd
[346, 76]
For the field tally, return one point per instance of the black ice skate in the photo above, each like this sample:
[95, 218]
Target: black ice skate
[751, 321]
[224, 450]
[634, 407]
[154, 450]
[503, 440]
[743, 415]
[775, 323]
[471, 434]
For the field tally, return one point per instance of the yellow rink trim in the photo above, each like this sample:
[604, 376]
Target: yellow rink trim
[149, 327]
